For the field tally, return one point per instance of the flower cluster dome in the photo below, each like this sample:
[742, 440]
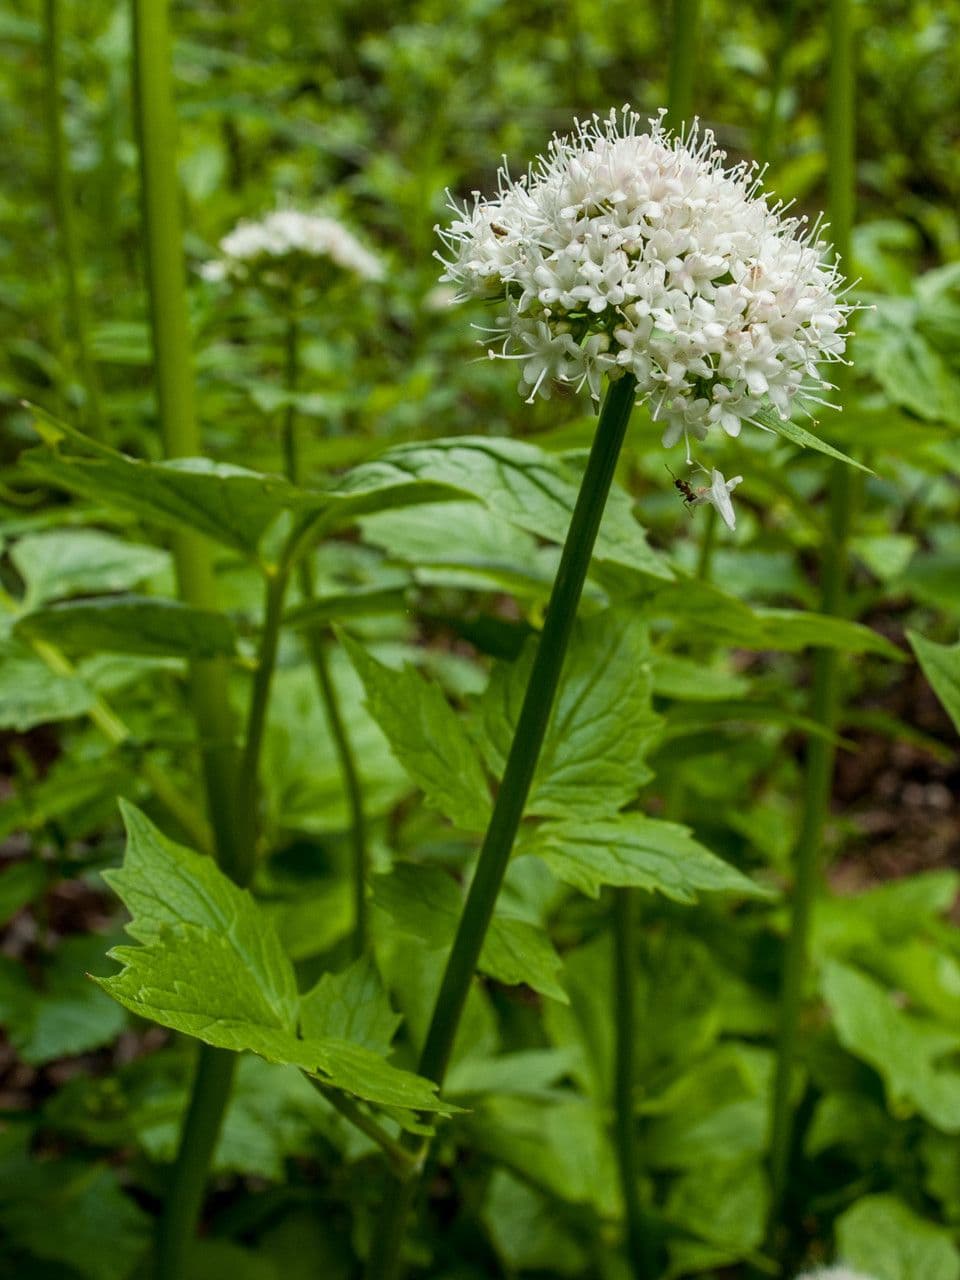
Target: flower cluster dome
[285, 235]
[627, 251]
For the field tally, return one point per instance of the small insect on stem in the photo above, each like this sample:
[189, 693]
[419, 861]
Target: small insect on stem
[687, 492]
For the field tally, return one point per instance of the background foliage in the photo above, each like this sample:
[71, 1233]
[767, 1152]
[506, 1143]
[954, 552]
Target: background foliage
[370, 112]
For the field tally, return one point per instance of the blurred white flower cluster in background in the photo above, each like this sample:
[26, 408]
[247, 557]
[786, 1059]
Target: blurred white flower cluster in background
[834, 1273]
[282, 240]
[629, 251]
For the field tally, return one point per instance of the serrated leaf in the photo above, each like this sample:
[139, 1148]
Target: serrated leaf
[131, 624]
[209, 963]
[427, 737]
[881, 1236]
[601, 725]
[351, 1005]
[941, 666]
[905, 1050]
[632, 850]
[529, 488]
[58, 563]
[771, 421]
[426, 903]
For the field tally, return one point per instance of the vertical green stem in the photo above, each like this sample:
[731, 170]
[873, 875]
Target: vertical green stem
[156, 127]
[63, 200]
[825, 698]
[385, 1262]
[768, 130]
[625, 1138]
[683, 49]
[349, 771]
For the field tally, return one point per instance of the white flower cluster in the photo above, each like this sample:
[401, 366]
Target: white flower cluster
[284, 236]
[627, 251]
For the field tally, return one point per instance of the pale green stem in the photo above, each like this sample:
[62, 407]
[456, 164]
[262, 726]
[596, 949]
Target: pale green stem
[683, 61]
[209, 693]
[385, 1262]
[825, 698]
[63, 202]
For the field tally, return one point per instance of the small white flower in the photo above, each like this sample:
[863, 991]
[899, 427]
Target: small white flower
[278, 245]
[628, 251]
[834, 1273]
[716, 494]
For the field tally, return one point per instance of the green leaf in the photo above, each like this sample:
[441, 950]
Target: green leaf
[530, 489]
[427, 737]
[32, 694]
[725, 1203]
[65, 1212]
[881, 1236]
[601, 724]
[632, 850]
[58, 563]
[902, 1048]
[676, 676]
[941, 666]
[210, 964]
[426, 903]
[131, 624]
[771, 421]
[526, 1233]
[63, 1014]
[20, 884]
[351, 1005]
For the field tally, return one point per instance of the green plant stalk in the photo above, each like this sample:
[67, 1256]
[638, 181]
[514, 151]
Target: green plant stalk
[825, 698]
[349, 772]
[683, 48]
[63, 202]
[385, 1258]
[768, 130]
[209, 694]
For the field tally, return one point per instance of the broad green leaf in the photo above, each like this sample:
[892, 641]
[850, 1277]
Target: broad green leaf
[73, 1215]
[675, 676]
[525, 1230]
[882, 1237]
[426, 903]
[131, 624]
[58, 563]
[602, 723]
[351, 1005]
[941, 666]
[904, 1049]
[210, 964]
[725, 1203]
[641, 852]
[771, 421]
[427, 737]
[529, 488]
[32, 694]
[790, 629]
[885, 555]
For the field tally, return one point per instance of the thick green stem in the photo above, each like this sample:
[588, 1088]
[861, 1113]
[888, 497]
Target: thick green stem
[385, 1261]
[63, 201]
[349, 772]
[624, 996]
[825, 698]
[683, 51]
[173, 371]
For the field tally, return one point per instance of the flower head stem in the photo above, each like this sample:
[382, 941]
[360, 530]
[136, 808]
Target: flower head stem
[349, 771]
[825, 696]
[683, 47]
[63, 202]
[385, 1261]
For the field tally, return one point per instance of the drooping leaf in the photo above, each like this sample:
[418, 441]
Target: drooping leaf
[633, 850]
[210, 964]
[427, 737]
[904, 1049]
[426, 903]
[772, 421]
[592, 757]
[131, 624]
[58, 563]
[941, 666]
[882, 1237]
